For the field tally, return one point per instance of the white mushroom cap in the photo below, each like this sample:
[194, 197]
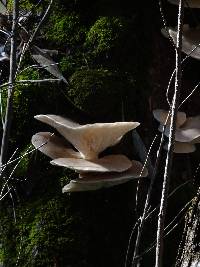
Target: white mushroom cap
[190, 40]
[75, 186]
[188, 132]
[52, 120]
[135, 171]
[53, 146]
[161, 116]
[190, 3]
[111, 163]
[182, 147]
[91, 181]
[89, 139]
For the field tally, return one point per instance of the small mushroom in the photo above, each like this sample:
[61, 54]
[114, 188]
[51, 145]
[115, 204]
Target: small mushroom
[187, 132]
[180, 148]
[188, 3]
[190, 40]
[111, 163]
[89, 139]
[94, 181]
[161, 116]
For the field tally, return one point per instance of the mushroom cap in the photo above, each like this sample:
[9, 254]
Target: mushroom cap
[89, 139]
[188, 132]
[135, 171]
[53, 146]
[78, 186]
[111, 163]
[190, 40]
[92, 181]
[190, 3]
[75, 186]
[161, 116]
[182, 147]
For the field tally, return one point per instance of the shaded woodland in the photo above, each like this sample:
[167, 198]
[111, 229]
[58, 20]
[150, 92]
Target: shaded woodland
[113, 64]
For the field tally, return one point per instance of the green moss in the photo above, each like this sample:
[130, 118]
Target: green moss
[30, 100]
[22, 168]
[105, 34]
[97, 92]
[24, 4]
[45, 233]
[65, 29]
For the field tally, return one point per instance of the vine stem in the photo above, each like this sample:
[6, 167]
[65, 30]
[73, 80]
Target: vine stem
[169, 157]
[13, 64]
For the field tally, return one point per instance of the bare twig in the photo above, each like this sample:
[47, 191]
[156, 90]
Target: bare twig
[168, 165]
[35, 66]
[194, 89]
[144, 156]
[34, 34]
[129, 241]
[148, 196]
[153, 244]
[171, 194]
[146, 206]
[174, 71]
[8, 116]
[38, 81]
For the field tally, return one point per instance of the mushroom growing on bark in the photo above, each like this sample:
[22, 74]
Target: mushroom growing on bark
[88, 140]
[190, 40]
[187, 132]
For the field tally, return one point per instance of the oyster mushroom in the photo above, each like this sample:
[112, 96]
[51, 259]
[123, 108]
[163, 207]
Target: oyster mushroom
[89, 140]
[161, 116]
[110, 163]
[181, 148]
[187, 132]
[94, 181]
[190, 40]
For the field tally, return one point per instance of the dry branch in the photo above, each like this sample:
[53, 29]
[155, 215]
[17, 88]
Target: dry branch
[169, 158]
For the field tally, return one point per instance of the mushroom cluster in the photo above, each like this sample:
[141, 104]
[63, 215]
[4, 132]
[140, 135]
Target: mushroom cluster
[88, 142]
[187, 132]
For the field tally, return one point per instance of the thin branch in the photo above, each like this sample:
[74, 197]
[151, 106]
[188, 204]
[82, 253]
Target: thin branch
[168, 164]
[26, 153]
[8, 116]
[171, 194]
[153, 244]
[129, 241]
[34, 34]
[144, 156]
[35, 66]
[174, 71]
[196, 87]
[1, 105]
[38, 81]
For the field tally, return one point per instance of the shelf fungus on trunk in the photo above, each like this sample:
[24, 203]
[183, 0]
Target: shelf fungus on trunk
[188, 3]
[187, 132]
[190, 40]
[88, 140]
